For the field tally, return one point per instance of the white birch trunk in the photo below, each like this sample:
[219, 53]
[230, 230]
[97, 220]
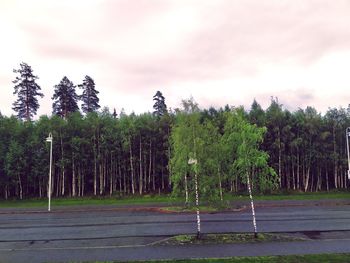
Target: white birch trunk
[252, 206]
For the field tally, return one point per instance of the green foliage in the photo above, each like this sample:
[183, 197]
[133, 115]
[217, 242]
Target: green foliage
[65, 98]
[89, 95]
[245, 139]
[100, 154]
[220, 158]
[193, 140]
[160, 108]
[27, 91]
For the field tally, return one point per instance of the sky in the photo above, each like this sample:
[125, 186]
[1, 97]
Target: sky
[217, 51]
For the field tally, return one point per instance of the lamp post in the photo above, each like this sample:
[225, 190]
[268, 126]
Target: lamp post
[49, 139]
[194, 162]
[347, 148]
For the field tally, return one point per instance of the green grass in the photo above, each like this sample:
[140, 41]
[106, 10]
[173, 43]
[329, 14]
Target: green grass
[166, 199]
[319, 258]
[81, 201]
[191, 209]
[294, 196]
[228, 239]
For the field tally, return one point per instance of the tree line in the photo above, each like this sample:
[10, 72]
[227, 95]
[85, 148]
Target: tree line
[97, 152]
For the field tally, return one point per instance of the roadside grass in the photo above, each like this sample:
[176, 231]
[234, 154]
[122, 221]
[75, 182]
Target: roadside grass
[88, 200]
[228, 239]
[181, 209]
[318, 258]
[294, 196]
[165, 199]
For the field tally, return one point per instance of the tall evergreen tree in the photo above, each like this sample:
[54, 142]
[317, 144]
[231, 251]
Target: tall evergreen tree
[89, 96]
[65, 98]
[27, 89]
[257, 114]
[159, 106]
[114, 114]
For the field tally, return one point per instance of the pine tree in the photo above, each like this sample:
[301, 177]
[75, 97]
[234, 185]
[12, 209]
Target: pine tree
[114, 114]
[89, 96]
[65, 98]
[257, 114]
[27, 89]
[159, 106]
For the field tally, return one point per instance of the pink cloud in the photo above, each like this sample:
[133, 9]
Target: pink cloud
[126, 42]
[238, 38]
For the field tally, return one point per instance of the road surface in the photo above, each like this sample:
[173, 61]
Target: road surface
[130, 233]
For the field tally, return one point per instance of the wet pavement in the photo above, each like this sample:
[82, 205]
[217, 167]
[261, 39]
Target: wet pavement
[131, 232]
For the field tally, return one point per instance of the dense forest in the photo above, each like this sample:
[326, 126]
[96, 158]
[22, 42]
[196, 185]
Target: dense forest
[97, 152]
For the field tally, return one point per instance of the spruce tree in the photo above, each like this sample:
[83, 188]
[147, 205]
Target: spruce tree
[89, 96]
[65, 98]
[114, 114]
[27, 89]
[159, 106]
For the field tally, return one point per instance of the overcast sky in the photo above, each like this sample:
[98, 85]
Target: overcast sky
[219, 52]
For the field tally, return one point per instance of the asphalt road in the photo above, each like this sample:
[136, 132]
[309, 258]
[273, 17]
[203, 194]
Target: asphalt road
[132, 233]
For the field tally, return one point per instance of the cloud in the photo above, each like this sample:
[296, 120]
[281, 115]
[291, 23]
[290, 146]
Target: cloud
[244, 49]
[240, 38]
[291, 99]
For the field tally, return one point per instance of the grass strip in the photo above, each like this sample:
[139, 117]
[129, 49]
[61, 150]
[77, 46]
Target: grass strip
[85, 201]
[167, 199]
[228, 239]
[317, 258]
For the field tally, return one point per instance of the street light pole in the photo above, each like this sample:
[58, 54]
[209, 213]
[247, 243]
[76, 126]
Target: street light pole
[50, 139]
[347, 147]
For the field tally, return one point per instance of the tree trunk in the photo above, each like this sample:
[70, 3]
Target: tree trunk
[150, 164]
[144, 169]
[63, 168]
[73, 177]
[186, 190]
[141, 172]
[335, 159]
[79, 180]
[306, 180]
[154, 174]
[197, 204]
[100, 176]
[95, 172]
[288, 175]
[220, 185]
[82, 184]
[40, 193]
[279, 158]
[58, 183]
[168, 161]
[119, 176]
[252, 207]
[111, 176]
[327, 182]
[162, 173]
[6, 192]
[20, 186]
[293, 175]
[132, 169]
[124, 180]
[298, 171]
